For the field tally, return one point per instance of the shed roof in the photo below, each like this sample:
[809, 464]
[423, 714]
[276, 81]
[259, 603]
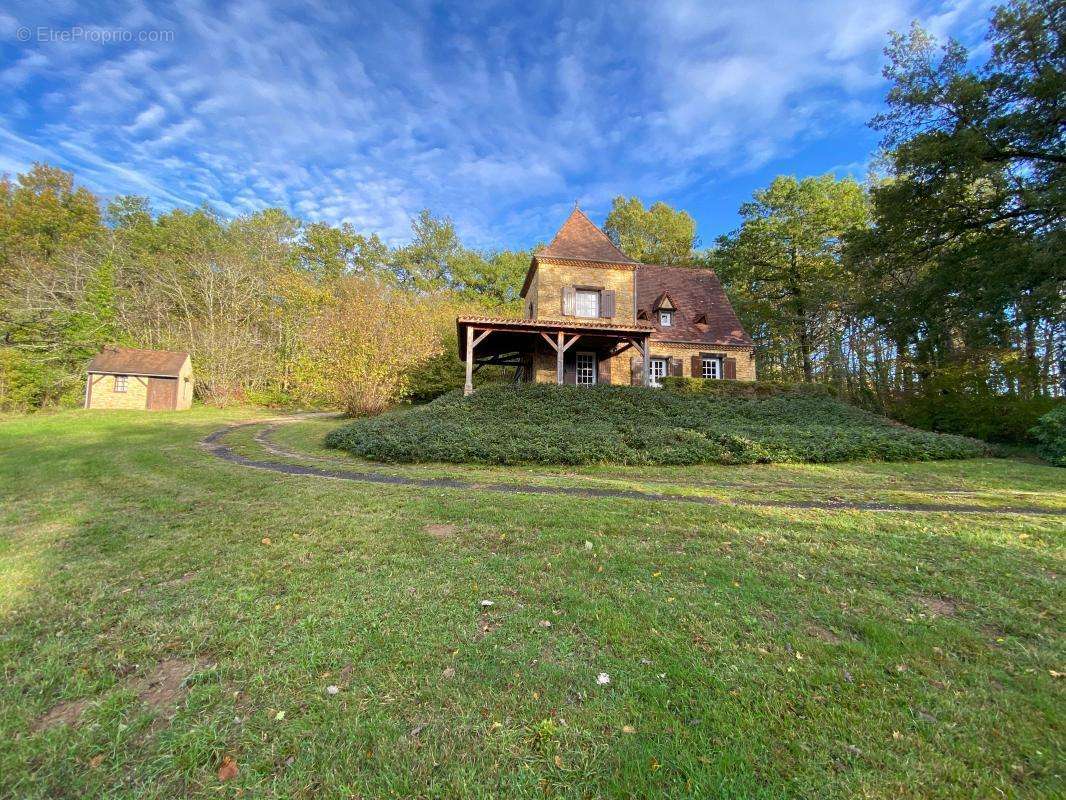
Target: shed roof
[128, 361]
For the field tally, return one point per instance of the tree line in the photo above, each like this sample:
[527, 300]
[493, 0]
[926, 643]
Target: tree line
[273, 310]
[933, 290]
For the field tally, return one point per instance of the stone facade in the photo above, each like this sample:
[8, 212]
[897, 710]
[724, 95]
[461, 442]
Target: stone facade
[551, 277]
[103, 394]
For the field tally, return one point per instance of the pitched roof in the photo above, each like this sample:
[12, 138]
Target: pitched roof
[127, 361]
[694, 292]
[580, 238]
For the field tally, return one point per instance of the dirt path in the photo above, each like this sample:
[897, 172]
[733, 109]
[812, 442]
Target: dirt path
[213, 443]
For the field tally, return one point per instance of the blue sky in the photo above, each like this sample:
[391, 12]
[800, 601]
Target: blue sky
[499, 115]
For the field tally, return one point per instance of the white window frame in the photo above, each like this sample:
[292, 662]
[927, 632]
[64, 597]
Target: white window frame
[122, 383]
[586, 371]
[666, 318]
[711, 368]
[591, 299]
[658, 368]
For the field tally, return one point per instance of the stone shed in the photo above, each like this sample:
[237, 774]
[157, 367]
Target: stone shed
[153, 380]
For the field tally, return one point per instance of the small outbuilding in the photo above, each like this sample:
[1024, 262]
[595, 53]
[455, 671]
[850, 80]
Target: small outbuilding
[155, 380]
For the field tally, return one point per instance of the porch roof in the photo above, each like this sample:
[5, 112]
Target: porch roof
[523, 331]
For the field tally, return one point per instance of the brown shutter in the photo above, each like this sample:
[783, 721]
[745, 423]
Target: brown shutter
[569, 301]
[697, 366]
[730, 369]
[636, 371]
[570, 367]
[607, 303]
[603, 370]
[675, 367]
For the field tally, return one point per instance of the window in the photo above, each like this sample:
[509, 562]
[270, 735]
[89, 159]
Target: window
[586, 303]
[586, 369]
[120, 382]
[666, 318]
[711, 367]
[657, 371]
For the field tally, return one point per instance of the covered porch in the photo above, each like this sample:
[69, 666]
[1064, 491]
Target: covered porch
[568, 351]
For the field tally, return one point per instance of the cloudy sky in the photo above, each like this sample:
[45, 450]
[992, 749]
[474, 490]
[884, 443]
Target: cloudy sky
[500, 115]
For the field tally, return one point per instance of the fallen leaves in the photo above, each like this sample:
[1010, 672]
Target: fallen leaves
[603, 679]
[449, 672]
[227, 770]
[628, 729]
[332, 689]
[266, 540]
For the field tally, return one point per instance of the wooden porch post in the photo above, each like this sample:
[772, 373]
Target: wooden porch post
[559, 358]
[646, 351]
[468, 387]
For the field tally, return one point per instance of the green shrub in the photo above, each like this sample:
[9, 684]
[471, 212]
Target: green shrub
[1005, 419]
[1050, 433]
[748, 390]
[445, 373]
[547, 424]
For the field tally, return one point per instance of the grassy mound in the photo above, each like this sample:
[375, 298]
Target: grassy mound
[546, 424]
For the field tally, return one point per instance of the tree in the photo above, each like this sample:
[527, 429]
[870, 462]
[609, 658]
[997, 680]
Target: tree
[966, 253]
[657, 235]
[359, 348]
[783, 265]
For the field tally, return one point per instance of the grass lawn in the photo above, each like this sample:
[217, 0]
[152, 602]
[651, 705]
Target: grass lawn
[165, 614]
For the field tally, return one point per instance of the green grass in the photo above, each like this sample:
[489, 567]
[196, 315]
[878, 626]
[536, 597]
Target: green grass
[547, 424]
[755, 652]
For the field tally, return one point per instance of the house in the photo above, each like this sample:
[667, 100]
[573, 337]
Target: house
[156, 380]
[594, 315]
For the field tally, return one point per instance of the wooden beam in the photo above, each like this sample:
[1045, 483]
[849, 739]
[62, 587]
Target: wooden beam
[647, 360]
[482, 336]
[571, 342]
[468, 387]
[549, 340]
[559, 350]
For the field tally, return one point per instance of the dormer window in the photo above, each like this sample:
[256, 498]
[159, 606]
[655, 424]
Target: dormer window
[666, 318]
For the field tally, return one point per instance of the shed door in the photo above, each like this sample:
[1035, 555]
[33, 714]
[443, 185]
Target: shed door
[162, 394]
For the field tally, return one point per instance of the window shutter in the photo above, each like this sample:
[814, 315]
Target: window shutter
[697, 366]
[607, 303]
[569, 301]
[675, 367]
[730, 369]
[603, 370]
[636, 371]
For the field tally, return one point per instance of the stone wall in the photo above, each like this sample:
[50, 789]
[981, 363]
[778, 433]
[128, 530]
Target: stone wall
[550, 278]
[621, 365]
[104, 395]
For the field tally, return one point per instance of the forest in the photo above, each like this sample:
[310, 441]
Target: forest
[932, 291]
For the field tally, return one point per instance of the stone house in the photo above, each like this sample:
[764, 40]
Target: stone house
[594, 315]
[155, 380]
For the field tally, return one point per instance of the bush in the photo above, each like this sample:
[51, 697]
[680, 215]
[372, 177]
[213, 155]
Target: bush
[1005, 419]
[547, 424]
[749, 390]
[444, 372]
[1050, 434]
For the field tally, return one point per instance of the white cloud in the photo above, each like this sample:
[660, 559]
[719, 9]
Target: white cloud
[500, 122]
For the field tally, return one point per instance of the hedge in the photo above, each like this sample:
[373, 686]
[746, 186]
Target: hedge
[684, 424]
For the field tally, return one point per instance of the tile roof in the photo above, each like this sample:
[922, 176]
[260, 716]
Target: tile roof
[694, 291]
[581, 239]
[555, 324]
[127, 361]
